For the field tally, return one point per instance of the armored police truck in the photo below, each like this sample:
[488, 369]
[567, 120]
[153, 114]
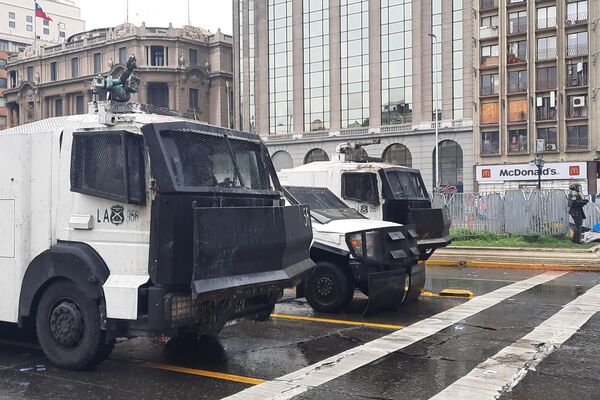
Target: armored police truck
[381, 258]
[120, 224]
[378, 191]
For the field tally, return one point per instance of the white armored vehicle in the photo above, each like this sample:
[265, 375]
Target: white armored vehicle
[122, 224]
[381, 258]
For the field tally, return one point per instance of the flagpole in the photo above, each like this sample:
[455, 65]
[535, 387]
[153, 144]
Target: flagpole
[34, 23]
[189, 15]
[127, 11]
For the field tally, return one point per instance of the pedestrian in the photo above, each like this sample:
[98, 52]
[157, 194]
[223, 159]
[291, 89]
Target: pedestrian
[576, 204]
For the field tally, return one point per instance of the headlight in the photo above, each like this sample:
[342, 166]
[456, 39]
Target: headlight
[372, 239]
[356, 243]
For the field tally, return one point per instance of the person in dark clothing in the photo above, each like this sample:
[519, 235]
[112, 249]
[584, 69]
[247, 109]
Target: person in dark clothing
[576, 204]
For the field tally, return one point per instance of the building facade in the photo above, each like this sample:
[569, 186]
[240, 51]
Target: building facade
[537, 93]
[312, 74]
[3, 84]
[183, 69]
[19, 27]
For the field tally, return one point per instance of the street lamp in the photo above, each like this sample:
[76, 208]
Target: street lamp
[437, 107]
[539, 163]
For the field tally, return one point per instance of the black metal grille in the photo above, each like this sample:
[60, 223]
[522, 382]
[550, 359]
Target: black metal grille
[109, 165]
[202, 159]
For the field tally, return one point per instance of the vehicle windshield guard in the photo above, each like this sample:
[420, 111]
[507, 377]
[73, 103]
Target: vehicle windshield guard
[403, 184]
[189, 157]
[324, 205]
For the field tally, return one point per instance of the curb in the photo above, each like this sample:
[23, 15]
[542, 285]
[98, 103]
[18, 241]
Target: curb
[513, 265]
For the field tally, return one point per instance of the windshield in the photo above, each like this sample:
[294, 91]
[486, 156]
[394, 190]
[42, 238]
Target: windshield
[199, 159]
[405, 184]
[324, 205]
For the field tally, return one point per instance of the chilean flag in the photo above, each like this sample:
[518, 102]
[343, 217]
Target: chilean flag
[39, 12]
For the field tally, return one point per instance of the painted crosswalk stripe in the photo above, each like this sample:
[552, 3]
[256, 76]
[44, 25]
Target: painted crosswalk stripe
[298, 382]
[503, 371]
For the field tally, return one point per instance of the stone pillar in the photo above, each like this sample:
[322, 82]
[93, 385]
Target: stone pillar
[172, 94]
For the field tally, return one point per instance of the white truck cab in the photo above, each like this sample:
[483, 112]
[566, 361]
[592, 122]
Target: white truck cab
[120, 224]
[381, 258]
[378, 191]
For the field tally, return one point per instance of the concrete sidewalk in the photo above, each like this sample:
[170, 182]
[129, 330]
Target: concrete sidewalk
[520, 258]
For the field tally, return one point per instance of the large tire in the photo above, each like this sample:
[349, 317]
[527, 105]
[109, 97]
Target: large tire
[68, 328]
[328, 288]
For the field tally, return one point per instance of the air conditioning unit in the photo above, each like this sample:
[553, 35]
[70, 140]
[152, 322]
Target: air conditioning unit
[550, 147]
[578, 101]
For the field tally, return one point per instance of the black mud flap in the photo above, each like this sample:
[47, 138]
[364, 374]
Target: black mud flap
[417, 282]
[242, 249]
[387, 291]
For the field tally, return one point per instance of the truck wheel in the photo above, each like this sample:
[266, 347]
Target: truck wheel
[68, 328]
[328, 288]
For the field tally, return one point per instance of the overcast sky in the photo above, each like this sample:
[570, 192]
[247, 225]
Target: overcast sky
[208, 14]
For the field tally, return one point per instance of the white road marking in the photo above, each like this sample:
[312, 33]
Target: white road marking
[503, 371]
[298, 382]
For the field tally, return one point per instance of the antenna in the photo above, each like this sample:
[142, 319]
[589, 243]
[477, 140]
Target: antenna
[189, 15]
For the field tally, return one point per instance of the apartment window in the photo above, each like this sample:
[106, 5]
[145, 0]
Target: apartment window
[577, 137]
[436, 60]
[122, 55]
[193, 96]
[2, 63]
[193, 57]
[457, 60]
[546, 17]
[53, 71]
[58, 107]
[489, 55]
[577, 12]
[577, 74]
[549, 136]
[12, 24]
[97, 63]
[355, 63]
[11, 15]
[577, 106]
[489, 4]
[62, 34]
[46, 31]
[30, 74]
[489, 22]
[490, 113]
[517, 52]
[490, 142]
[74, 67]
[157, 56]
[517, 81]
[517, 22]
[3, 83]
[490, 84]
[517, 110]
[545, 108]
[79, 104]
[281, 95]
[518, 141]
[577, 44]
[316, 65]
[29, 18]
[46, 22]
[2, 101]
[29, 28]
[546, 78]
[546, 48]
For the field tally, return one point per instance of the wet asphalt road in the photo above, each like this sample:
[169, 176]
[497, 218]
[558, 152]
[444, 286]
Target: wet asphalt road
[248, 353]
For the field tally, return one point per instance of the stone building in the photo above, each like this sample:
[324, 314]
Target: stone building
[187, 69]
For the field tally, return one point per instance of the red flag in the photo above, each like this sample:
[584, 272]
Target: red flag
[39, 12]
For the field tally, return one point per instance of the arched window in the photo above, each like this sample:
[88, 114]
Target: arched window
[282, 160]
[451, 166]
[315, 155]
[397, 154]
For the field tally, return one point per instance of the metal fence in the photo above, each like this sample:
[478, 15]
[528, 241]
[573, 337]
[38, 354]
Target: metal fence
[537, 212]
